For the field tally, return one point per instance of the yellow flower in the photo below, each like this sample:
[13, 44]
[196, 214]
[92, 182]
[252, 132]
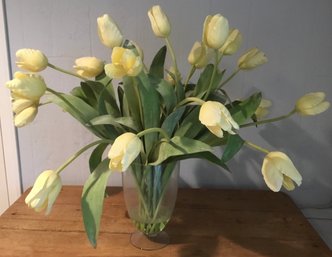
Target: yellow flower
[88, 66]
[159, 21]
[278, 170]
[27, 86]
[263, 108]
[31, 60]
[124, 151]
[199, 55]
[252, 59]
[124, 62]
[233, 42]
[215, 31]
[25, 111]
[44, 192]
[108, 32]
[312, 104]
[216, 117]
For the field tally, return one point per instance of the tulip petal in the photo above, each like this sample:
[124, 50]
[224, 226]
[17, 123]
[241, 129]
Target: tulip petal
[216, 130]
[26, 116]
[114, 70]
[271, 174]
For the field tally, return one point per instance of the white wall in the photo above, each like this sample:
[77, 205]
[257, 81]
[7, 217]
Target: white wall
[295, 35]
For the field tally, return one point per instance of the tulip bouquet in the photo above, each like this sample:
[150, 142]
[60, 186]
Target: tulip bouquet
[153, 116]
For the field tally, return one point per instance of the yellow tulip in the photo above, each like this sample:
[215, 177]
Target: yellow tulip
[263, 108]
[233, 42]
[216, 117]
[278, 170]
[88, 66]
[27, 86]
[215, 31]
[25, 111]
[124, 151]
[199, 55]
[312, 104]
[108, 32]
[252, 59]
[31, 60]
[124, 62]
[159, 22]
[44, 192]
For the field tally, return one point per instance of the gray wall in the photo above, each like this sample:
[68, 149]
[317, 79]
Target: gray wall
[295, 35]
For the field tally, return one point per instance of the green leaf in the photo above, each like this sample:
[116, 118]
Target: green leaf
[167, 93]
[131, 93]
[172, 120]
[205, 78]
[233, 145]
[107, 103]
[93, 199]
[117, 122]
[96, 156]
[242, 111]
[190, 126]
[157, 65]
[178, 146]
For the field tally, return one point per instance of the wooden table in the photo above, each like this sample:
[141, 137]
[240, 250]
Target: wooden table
[206, 222]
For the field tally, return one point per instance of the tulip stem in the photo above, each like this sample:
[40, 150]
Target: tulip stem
[77, 154]
[256, 147]
[229, 78]
[190, 99]
[216, 63]
[190, 74]
[154, 130]
[268, 120]
[66, 72]
[171, 50]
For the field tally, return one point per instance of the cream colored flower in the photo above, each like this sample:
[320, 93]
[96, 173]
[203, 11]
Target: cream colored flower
[312, 104]
[278, 170]
[263, 108]
[25, 111]
[159, 22]
[251, 59]
[88, 66]
[216, 117]
[108, 32]
[215, 31]
[124, 62]
[31, 60]
[124, 151]
[27, 86]
[233, 42]
[199, 55]
[44, 192]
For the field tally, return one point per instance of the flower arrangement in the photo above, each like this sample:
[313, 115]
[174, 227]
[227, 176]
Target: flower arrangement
[153, 116]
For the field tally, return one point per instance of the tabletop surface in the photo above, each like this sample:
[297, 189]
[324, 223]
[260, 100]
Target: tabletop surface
[206, 222]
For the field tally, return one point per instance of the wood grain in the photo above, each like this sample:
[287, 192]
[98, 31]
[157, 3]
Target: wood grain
[206, 222]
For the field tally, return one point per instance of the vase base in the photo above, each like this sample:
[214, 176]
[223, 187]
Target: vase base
[144, 242]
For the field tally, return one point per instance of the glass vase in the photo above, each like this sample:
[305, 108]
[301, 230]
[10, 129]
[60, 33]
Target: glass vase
[150, 193]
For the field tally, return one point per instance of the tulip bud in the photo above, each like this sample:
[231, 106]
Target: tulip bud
[232, 43]
[215, 31]
[159, 22]
[44, 192]
[124, 151]
[89, 66]
[25, 116]
[252, 59]
[199, 55]
[216, 117]
[108, 32]
[31, 60]
[124, 62]
[27, 86]
[278, 170]
[312, 104]
[263, 108]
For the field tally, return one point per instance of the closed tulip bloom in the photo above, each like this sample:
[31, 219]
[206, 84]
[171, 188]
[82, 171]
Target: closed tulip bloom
[25, 111]
[233, 42]
[159, 22]
[108, 32]
[88, 66]
[31, 60]
[27, 86]
[215, 31]
[263, 108]
[44, 192]
[312, 104]
[124, 151]
[124, 62]
[252, 59]
[199, 55]
[216, 117]
[278, 170]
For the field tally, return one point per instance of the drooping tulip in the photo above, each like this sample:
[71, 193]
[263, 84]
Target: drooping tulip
[88, 66]
[312, 104]
[251, 59]
[31, 60]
